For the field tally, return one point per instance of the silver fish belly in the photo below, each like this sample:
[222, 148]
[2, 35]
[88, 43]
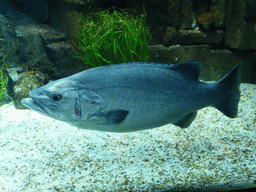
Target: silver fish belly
[135, 96]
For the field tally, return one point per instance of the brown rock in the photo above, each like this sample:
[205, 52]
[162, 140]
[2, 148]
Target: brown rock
[218, 9]
[187, 15]
[29, 81]
[240, 30]
[9, 44]
[171, 36]
[60, 53]
[190, 37]
[217, 62]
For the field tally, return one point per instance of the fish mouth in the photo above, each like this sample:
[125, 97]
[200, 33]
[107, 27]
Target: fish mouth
[36, 106]
[31, 104]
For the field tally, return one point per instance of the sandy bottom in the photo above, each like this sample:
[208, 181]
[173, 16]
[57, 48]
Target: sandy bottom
[38, 153]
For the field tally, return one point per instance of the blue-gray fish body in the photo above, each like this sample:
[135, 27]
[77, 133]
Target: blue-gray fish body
[135, 96]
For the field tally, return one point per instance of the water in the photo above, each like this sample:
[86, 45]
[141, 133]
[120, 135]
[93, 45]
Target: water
[40, 153]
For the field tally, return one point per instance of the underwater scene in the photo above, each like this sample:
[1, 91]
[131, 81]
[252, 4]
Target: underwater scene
[105, 95]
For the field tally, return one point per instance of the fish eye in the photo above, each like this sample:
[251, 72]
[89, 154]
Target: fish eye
[56, 97]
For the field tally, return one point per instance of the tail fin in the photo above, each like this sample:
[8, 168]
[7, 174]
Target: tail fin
[229, 85]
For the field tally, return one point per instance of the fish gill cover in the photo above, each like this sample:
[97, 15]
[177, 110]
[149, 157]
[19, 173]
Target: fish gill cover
[135, 96]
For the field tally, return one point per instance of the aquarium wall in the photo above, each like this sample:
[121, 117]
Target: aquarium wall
[218, 33]
[40, 36]
[45, 40]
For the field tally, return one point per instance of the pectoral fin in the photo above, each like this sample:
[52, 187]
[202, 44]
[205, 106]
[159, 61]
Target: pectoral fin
[111, 117]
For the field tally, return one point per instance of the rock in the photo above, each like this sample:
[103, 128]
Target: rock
[40, 47]
[218, 9]
[171, 36]
[53, 37]
[60, 53]
[60, 12]
[217, 62]
[205, 21]
[79, 2]
[240, 25]
[9, 44]
[29, 41]
[34, 55]
[33, 37]
[181, 14]
[190, 37]
[36, 9]
[15, 73]
[174, 13]
[188, 16]
[29, 81]
[32, 47]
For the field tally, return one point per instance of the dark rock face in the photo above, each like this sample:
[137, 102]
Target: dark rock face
[28, 82]
[195, 37]
[9, 43]
[217, 61]
[218, 33]
[37, 10]
[240, 26]
[28, 40]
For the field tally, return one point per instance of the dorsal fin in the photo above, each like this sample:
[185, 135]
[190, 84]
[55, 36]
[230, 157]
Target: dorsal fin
[190, 69]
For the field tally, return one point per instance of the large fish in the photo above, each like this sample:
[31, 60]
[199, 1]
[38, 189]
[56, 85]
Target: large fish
[135, 96]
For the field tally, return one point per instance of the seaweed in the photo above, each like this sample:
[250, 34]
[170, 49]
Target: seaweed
[3, 80]
[112, 36]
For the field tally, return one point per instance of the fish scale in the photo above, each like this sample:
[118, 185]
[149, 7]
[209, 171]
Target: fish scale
[135, 96]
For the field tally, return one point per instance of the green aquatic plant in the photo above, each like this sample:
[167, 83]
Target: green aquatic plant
[3, 80]
[109, 37]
